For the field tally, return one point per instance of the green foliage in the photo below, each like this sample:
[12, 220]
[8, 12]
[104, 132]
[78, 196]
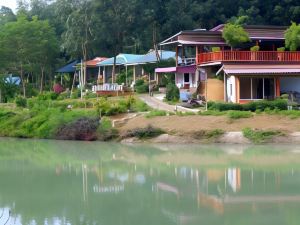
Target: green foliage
[258, 136]
[255, 48]
[239, 114]
[47, 96]
[235, 35]
[21, 102]
[292, 37]
[208, 134]
[280, 104]
[141, 86]
[144, 133]
[155, 113]
[281, 49]
[172, 92]
[215, 49]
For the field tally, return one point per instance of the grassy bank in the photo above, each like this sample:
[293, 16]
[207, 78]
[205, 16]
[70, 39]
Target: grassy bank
[70, 119]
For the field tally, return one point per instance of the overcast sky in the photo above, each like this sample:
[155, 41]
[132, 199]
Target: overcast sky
[9, 3]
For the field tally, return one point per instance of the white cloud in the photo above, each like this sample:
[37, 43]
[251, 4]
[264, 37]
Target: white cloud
[9, 3]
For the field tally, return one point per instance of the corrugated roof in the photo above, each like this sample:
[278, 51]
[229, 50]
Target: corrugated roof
[131, 59]
[248, 69]
[121, 59]
[69, 68]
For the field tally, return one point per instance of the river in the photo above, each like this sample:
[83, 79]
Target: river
[63, 182]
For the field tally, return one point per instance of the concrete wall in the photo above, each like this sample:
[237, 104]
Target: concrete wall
[231, 89]
[179, 80]
[289, 84]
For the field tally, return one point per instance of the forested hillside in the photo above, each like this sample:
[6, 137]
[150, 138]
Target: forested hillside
[45, 34]
[128, 25]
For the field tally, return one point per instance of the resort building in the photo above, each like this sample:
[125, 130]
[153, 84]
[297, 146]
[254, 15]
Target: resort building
[205, 64]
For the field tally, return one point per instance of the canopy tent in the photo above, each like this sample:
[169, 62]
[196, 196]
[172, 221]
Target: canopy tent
[69, 68]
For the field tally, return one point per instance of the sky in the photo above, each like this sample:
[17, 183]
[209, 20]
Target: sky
[9, 3]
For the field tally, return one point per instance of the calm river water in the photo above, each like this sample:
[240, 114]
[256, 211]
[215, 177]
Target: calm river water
[57, 182]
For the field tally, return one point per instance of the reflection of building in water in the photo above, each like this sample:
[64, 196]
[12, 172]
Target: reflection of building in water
[109, 189]
[234, 178]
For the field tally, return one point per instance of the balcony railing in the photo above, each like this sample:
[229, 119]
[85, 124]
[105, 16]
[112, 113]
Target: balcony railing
[244, 56]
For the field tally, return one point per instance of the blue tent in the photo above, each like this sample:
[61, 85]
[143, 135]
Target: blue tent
[69, 68]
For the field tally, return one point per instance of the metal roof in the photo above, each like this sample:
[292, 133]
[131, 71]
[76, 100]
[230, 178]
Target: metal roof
[69, 68]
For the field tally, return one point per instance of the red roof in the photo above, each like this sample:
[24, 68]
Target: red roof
[93, 62]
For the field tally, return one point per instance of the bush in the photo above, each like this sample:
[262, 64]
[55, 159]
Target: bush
[172, 92]
[141, 86]
[105, 130]
[48, 96]
[239, 114]
[81, 129]
[155, 113]
[258, 136]
[280, 104]
[144, 133]
[76, 94]
[57, 88]
[21, 102]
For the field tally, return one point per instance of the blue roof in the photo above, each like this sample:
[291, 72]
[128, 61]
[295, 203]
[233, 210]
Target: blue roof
[121, 59]
[151, 57]
[69, 68]
[130, 59]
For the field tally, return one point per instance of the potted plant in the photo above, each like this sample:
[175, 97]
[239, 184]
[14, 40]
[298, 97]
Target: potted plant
[253, 50]
[280, 53]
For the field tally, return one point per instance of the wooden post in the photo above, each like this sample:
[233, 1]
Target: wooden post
[237, 89]
[134, 74]
[176, 56]
[225, 87]
[104, 74]
[277, 86]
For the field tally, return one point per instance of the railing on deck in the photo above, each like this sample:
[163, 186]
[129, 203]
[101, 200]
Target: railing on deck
[107, 87]
[235, 56]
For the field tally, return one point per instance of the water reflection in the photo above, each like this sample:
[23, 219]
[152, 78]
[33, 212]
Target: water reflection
[44, 182]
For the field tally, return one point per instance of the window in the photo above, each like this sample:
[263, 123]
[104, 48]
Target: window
[257, 88]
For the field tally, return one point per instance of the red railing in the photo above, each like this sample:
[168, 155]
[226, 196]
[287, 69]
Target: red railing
[235, 56]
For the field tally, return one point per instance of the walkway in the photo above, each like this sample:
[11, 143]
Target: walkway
[157, 103]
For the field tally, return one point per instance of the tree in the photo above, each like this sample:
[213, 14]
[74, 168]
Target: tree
[292, 37]
[6, 15]
[234, 34]
[26, 45]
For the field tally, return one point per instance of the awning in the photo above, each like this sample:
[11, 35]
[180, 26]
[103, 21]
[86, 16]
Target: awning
[166, 70]
[179, 69]
[248, 69]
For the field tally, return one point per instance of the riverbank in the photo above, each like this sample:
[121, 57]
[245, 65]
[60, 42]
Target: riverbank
[130, 120]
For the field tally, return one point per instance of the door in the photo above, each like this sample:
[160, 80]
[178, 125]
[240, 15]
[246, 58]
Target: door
[186, 79]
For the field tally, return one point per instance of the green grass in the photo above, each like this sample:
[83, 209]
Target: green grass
[155, 113]
[238, 114]
[260, 136]
[208, 134]
[144, 133]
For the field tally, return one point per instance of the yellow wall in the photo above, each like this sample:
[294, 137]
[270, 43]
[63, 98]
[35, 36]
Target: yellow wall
[215, 90]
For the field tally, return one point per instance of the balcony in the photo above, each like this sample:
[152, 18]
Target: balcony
[248, 56]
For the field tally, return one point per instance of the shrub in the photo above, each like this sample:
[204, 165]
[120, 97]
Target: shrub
[105, 130]
[155, 113]
[57, 88]
[258, 136]
[239, 114]
[280, 104]
[144, 133]
[48, 96]
[21, 102]
[208, 134]
[172, 92]
[81, 129]
[76, 94]
[141, 86]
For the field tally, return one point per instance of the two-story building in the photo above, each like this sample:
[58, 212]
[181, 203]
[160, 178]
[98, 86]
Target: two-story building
[207, 65]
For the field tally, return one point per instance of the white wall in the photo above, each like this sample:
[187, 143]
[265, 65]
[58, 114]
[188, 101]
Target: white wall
[179, 80]
[231, 95]
[290, 84]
